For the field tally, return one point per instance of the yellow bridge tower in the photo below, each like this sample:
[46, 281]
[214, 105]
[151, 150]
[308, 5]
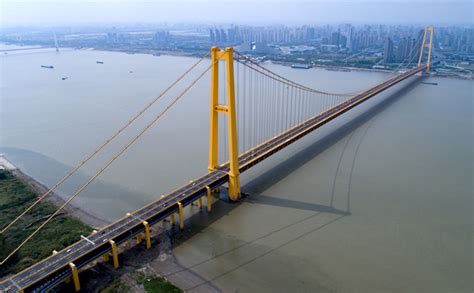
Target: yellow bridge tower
[228, 56]
[429, 30]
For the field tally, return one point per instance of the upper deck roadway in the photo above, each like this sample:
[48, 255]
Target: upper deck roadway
[49, 272]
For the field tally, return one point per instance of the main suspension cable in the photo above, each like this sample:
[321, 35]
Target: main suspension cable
[104, 144]
[265, 71]
[104, 167]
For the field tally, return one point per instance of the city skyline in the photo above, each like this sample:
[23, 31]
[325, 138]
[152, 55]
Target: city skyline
[381, 47]
[236, 146]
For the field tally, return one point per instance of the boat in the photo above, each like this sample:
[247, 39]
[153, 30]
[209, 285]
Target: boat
[99, 62]
[64, 78]
[47, 66]
[301, 66]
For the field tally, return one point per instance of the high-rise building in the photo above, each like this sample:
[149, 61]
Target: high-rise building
[350, 36]
[161, 37]
[401, 50]
[310, 33]
[223, 36]
[212, 36]
[388, 51]
[232, 34]
[335, 36]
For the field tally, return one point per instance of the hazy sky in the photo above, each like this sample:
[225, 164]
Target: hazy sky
[56, 12]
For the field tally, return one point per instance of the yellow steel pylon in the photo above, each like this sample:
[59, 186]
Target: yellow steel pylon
[114, 254]
[228, 56]
[430, 46]
[75, 276]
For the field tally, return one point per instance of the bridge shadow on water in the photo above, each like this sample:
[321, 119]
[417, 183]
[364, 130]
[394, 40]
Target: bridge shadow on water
[252, 190]
[276, 173]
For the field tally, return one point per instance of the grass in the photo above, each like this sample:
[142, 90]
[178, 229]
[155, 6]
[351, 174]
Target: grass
[157, 285]
[62, 231]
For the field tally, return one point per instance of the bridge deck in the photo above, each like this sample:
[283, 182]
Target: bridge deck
[55, 269]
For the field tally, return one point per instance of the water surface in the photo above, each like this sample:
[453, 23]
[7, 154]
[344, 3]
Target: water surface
[379, 200]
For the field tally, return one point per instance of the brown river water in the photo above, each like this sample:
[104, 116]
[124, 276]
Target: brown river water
[398, 170]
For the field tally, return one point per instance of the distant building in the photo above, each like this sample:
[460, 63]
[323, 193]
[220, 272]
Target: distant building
[233, 34]
[223, 37]
[335, 38]
[161, 37]
[388, 51]
[350, 36]
[407, 50]
[310, 33]
[212, 36]
[401, 50]
[342, 41]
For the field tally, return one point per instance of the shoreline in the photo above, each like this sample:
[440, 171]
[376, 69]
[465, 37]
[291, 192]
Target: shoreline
[283, 63]
[362, 69]
[159, 261]
[53, 198]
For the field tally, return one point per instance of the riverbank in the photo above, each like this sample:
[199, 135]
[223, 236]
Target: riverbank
[289, 64]
[142, 270]
[362, 69]
[15, 196]
[53, 198]
[453, 74]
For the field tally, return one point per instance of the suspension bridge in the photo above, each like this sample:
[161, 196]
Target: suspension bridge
[261, 113]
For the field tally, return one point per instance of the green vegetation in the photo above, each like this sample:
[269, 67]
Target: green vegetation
[157, 285]
[62, 231]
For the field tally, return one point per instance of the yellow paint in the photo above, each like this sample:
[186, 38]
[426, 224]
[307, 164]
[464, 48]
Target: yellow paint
[429, 29]
[147, 234]
[222, 108]
[214, 121]
[208, 195]
[234, 180]
[114, 254]
[75, 276]
[428, 63]
[230, 111]
[106, 257]
[181, 216]
[139, 238]
[422, 48]
[172, 219]
[199, 202]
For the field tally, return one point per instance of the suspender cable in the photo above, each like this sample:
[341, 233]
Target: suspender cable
[267, 108]
[265, 71]
[244, 110]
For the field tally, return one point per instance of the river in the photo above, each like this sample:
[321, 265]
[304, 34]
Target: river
[398, 169]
